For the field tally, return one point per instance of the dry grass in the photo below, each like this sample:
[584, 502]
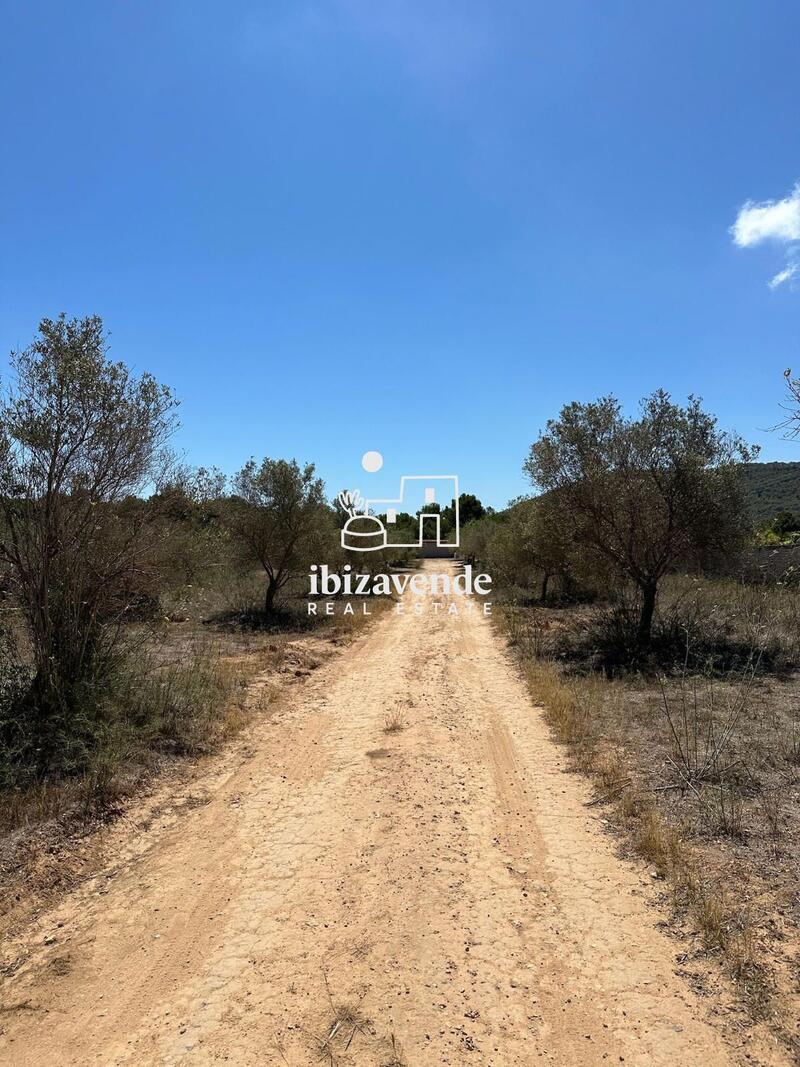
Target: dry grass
[394, 723]
[159, 711]
[345, 1021]
[590, 716]
[396, 1056]
[700, 773]
[722, 623]
[585, 714]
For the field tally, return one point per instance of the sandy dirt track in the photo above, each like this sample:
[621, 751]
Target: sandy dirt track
[444, 885]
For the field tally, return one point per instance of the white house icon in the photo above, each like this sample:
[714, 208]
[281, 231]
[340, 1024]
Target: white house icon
[365, 532]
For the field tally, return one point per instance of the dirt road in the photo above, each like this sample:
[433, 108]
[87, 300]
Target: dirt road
[346, 893]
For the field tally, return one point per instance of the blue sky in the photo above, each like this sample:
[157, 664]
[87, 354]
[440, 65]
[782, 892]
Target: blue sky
[414, 227]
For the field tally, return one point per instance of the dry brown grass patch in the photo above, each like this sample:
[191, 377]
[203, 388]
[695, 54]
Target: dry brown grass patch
[394, 723]
[574, 709]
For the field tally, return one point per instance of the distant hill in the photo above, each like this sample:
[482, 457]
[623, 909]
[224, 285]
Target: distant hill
[772, 487]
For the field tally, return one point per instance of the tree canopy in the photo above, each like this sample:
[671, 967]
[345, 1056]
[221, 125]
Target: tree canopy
[644, 494]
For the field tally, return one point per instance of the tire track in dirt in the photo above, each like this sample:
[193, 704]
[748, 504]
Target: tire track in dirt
[442, 885]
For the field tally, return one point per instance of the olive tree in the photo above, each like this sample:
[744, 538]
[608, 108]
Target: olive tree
[475, 538]
[643, 495]
[281, 518]
[509, 549]
[194, 542]
[533, 539]
[80, 441]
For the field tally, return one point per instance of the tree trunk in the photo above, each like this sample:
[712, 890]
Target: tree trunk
[269, 599]
[545, 580]
[646, 613]
[567, 583]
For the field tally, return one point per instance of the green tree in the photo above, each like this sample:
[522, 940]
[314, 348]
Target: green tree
[281, 519]
[80, 442]
[475, 539]
[643, 495]
[446, 520]
[195, 545]
[469, 510]
[785, 522]
[536, 539]
[509, 550]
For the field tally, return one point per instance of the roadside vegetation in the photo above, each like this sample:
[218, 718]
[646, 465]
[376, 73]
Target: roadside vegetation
[667, 661]
[137, 597]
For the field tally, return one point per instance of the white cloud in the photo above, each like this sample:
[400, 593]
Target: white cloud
[778, 220]
[782, 276]
[772, 220]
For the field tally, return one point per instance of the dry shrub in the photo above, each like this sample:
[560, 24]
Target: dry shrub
[394, 723]
[395, 1053]
[572, 708]
[569, 712]
[708, 624]
[527, 631]
[153, 711]
[178, 708]
[657, 842]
